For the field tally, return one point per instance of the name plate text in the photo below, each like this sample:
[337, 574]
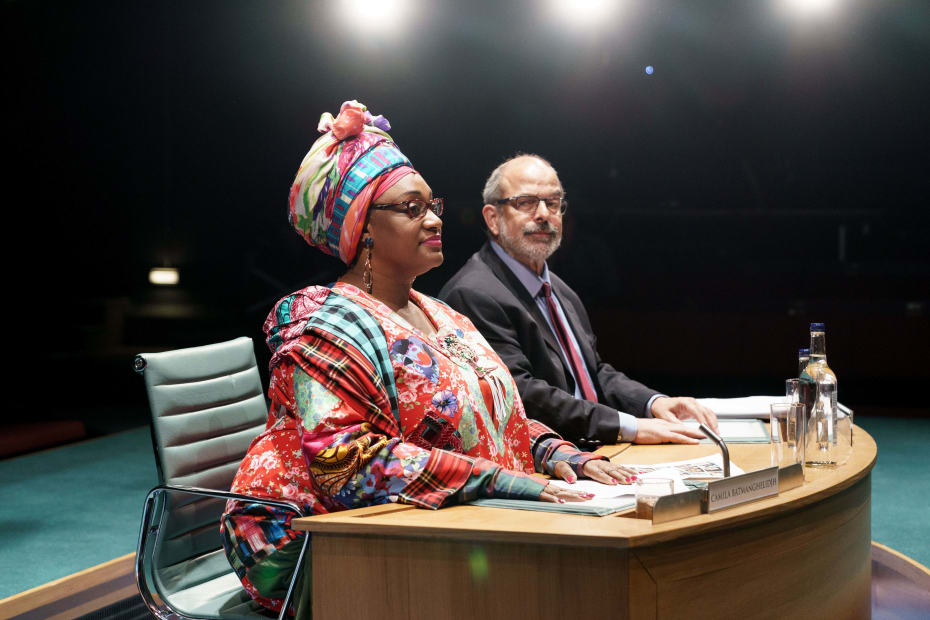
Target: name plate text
[740, 489]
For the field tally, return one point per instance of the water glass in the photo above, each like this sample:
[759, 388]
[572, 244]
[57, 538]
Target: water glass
[844, 435]
[648, 492]
[786, 433]
[791, 391]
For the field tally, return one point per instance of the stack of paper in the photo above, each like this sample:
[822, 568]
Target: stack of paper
[738, 430]
[750, 406]
[745, 407]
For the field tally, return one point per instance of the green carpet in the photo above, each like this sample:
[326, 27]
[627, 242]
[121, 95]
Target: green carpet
[900, 485]
[70, 508]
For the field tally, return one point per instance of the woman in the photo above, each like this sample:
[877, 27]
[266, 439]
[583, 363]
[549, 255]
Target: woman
[380, 394]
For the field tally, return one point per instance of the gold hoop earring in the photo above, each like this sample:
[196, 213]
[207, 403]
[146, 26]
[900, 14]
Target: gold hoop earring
[366, 275]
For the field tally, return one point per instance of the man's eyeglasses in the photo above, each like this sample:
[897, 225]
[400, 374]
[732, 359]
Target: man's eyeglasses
[415, 209]
[528, 203]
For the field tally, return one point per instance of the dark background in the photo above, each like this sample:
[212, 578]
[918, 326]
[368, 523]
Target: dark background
[773, 170]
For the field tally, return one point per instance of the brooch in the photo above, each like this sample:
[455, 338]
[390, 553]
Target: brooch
[452, 345]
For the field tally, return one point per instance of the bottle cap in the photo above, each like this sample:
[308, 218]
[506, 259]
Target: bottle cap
[803, 352]
[817, 327]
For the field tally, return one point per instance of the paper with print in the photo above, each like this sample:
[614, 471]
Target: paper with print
[613, 494]
[700, 468]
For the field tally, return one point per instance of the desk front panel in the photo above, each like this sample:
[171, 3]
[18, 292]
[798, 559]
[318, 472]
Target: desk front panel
[426, 579]
[804, 553]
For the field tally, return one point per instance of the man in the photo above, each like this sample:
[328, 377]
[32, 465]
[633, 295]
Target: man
[540, 329]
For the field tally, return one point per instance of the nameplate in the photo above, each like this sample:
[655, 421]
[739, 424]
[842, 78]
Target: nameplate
[790, 477]
[741, 489]
[677, 506]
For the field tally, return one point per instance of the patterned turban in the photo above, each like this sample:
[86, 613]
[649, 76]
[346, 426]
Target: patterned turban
[349, 166]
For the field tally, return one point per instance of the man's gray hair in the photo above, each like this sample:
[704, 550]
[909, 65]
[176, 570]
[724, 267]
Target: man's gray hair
[492, 187]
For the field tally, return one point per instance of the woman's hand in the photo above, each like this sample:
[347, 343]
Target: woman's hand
[601, 471]
[558, 494]
[606, 472]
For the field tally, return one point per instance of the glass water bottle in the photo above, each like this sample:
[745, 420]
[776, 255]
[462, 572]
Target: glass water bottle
[818, 393]
[804, 356]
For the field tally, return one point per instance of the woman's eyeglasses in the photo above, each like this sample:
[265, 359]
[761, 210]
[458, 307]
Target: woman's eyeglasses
[415, 209]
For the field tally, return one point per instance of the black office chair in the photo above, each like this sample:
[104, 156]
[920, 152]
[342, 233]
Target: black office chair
[207, 406]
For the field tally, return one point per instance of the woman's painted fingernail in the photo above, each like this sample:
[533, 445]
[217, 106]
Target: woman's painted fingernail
[572, 478]
[561, 501]
[589, 495]
[633, 477]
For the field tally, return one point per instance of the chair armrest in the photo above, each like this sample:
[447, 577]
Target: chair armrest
[228, 495]
[159, 609]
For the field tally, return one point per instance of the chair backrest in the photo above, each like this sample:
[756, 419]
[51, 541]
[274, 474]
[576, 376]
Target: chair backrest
[207, 406]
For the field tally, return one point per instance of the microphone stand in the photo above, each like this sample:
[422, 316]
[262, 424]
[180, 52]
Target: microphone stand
[722, 445]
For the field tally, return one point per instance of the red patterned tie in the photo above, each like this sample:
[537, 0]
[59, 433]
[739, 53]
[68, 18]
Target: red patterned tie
[561, 331]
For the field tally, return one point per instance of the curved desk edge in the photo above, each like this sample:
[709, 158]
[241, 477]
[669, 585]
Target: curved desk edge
[494, 524]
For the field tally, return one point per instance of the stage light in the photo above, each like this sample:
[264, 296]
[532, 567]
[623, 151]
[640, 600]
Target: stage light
[164, 276]
[583, 11]
[649, 70]
[809, 7]
[374, 15]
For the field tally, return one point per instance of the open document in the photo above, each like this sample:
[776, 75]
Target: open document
[700, 468]
[613, 498]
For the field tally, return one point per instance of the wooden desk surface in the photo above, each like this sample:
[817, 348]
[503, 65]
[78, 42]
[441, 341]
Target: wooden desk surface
[476, 523]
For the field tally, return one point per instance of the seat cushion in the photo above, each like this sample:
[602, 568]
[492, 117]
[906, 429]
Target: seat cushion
[207, 587]
[221, 597]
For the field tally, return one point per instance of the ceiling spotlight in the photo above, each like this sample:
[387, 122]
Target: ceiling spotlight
[374, 15]
[810, 7]
[583, 11]
[163, 276]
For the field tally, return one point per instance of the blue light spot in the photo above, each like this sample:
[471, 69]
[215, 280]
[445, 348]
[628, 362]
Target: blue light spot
[649, 69]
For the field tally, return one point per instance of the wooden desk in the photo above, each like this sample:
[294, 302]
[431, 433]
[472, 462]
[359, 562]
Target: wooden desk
[802, 554]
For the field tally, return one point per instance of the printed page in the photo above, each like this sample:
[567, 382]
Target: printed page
[704, 467]
[609, 495]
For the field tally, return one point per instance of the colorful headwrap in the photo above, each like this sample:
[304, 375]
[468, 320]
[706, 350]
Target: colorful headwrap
[353, 163]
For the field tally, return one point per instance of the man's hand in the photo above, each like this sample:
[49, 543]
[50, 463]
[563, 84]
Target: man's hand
[682, 408]
[660, 431]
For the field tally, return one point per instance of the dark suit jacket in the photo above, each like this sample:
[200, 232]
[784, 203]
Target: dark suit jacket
[486, 291]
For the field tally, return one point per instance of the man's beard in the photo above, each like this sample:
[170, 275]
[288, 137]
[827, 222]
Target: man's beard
[524, 249]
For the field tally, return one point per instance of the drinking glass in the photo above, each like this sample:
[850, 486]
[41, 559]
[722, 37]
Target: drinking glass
[791, 391]
[844, 435]
[648, 492]
[786, 433]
